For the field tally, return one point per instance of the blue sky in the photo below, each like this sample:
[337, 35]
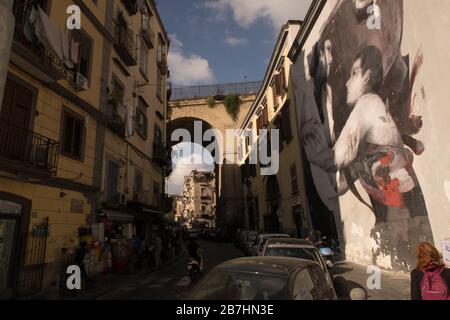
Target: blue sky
[221, 41]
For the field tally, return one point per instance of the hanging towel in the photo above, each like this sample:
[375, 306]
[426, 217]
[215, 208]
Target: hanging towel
[74, 51]
[30, 18]
[49, 34]
[129, 121]
[66, 50]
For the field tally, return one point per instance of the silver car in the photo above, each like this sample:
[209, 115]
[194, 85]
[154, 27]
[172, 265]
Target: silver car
[258, 245]
[294, 248]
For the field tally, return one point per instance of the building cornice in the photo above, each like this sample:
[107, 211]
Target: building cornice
[94, 20]
[309, 22]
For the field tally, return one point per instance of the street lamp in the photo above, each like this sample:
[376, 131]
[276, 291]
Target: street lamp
[6, 38]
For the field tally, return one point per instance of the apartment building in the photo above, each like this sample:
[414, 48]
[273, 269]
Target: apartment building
[82, 131]
[275, 203]
[198, 200]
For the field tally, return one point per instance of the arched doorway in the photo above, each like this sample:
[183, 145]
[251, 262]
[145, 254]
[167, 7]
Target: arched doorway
[14, 222]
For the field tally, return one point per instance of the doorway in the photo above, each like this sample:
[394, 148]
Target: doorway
[14, 221]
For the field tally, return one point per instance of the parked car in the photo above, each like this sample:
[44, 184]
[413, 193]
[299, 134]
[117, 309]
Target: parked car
[295, 248]
[248, 242]
[265, 278]
[260, 241]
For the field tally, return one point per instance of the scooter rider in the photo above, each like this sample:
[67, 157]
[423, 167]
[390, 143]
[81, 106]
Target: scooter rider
[194, 251]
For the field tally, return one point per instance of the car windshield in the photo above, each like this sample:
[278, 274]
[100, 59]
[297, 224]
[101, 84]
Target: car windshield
[294, 252]
[220, 285]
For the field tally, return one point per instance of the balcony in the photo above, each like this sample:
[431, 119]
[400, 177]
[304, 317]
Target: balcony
[148, 36]
[161, 155]
[32, 56]
[117, 116]
[125, 45]
[131, 6]
[162, 64]
[26, 151]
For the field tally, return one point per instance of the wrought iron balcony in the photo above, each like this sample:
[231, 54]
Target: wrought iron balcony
[33, 56]
[161, 155]
[24, 149]
[125, 44]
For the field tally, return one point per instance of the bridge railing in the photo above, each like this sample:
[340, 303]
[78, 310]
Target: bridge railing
[192, 92]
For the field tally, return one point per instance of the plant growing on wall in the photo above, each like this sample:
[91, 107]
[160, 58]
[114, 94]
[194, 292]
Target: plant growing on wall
[232, 104]
[211, 102]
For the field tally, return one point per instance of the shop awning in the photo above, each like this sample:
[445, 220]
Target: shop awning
[118, 216]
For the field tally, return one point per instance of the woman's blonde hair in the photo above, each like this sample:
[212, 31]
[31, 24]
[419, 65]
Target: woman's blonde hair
[428, 255]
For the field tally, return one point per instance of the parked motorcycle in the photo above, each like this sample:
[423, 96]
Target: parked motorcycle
[327, 255]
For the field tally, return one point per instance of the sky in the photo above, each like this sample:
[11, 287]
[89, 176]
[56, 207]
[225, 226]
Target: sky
[220, 41]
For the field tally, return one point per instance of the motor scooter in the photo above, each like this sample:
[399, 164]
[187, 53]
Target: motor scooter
[195, 268]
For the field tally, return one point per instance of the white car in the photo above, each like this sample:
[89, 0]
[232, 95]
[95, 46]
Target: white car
[258, 245]
[295, 248]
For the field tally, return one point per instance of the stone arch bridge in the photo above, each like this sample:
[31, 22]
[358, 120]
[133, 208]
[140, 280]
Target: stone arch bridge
[184, 111]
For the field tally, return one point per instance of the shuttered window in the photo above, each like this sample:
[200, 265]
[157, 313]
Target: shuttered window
[112, 182]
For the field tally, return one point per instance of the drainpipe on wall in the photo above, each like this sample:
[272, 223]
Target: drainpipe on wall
[6, 36]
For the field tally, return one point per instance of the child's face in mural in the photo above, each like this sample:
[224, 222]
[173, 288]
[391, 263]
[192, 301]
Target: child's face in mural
[356, 85]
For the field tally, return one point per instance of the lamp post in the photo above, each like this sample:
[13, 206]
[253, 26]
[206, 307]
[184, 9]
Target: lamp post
[6, 37]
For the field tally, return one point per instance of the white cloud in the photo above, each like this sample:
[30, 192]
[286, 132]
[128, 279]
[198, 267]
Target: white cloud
[175, 42]
[189, 70]
[234, 41]
[188, 162]
[246, 12]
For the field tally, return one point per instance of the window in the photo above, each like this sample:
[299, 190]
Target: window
[143, 61]
[83, 66]
[156, 199]
[285, 123]
[72, 135]
[141, 121]
[118, 91]
[160, 51]
[303, 286]
[159, 85]
[203, 208]
[263, 120]
[158, 137]
[294, 181]
[112, 182]
[323, 285]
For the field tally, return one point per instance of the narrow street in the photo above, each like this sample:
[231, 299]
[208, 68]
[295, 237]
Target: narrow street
[173, 282]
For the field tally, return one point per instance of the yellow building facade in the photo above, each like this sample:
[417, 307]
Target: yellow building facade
[275, 203]
[78, 134]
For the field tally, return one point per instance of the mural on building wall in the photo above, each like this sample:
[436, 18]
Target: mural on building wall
[357, 123]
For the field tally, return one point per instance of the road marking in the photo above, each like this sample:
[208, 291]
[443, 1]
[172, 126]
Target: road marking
[183, 282]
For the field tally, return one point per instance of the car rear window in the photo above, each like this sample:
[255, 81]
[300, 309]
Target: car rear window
[294, 252]
[219, 285]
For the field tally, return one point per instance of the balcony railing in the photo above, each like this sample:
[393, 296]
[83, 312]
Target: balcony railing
[24, 148]
[194, 92]
[117, 115]
[161, 155]
[32, 54]
[125, 44]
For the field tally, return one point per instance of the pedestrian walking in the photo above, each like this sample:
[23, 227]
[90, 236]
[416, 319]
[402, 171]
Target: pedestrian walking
[158, 251]
[431, 279]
